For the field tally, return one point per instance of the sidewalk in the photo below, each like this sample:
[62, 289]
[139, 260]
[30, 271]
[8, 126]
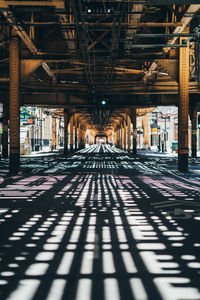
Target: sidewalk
[160, 154]
[45, 151]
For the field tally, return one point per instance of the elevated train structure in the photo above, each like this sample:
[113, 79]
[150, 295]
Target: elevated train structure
[101, 63]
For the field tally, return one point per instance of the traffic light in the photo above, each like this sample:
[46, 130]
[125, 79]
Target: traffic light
[198, 121]
[103, 102]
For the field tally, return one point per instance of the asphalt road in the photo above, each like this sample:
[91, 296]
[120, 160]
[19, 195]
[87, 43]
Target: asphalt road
[100, 225]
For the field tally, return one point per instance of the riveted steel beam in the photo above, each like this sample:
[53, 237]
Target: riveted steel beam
[185, 21]
[47, 69]
[8, 14]
[154, 2]
[26, 69]
[14, 106]
[57, 4]
[124, 26]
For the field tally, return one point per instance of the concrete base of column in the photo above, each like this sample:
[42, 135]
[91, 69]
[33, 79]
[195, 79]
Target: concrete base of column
[14, 165]
[71, 148]
[183, 163]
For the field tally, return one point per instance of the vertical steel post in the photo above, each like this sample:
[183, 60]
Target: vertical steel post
[194, 132]
[129, 133]
[59, 133]
[134, 122]
[76, 132]
[125, 134]
[146, 128]
[83, 138]
[71, 132]
[183, 108]
[116, 138]
[53, 133]
[79, 135]
[121, 136]
[14, 107]
[66, 123]
[5, 130]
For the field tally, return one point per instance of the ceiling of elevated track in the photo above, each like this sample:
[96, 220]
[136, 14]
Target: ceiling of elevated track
[75, 53]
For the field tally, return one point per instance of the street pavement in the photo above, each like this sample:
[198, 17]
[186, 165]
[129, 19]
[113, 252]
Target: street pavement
[100, 224]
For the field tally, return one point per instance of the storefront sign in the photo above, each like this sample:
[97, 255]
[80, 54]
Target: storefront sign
[155, 130]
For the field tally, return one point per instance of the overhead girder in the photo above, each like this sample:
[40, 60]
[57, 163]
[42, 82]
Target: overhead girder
[123, 101]
[83, 39]
[184, 22]
[59, 4]
[148, 81]
[26, 68]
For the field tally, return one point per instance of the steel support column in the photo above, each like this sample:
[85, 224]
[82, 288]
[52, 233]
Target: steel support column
[183, 108]
[124, 134]
[116, 138]
[134, 122]
[82, 138]
[76, 132]
[194, 132]
[66, 123]
[146, 131]
[121, 136]
[71, 133]
[59, 133]
[5, 130]
[54, 131]
[129, 133]
[14, 108]
[79, 135]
